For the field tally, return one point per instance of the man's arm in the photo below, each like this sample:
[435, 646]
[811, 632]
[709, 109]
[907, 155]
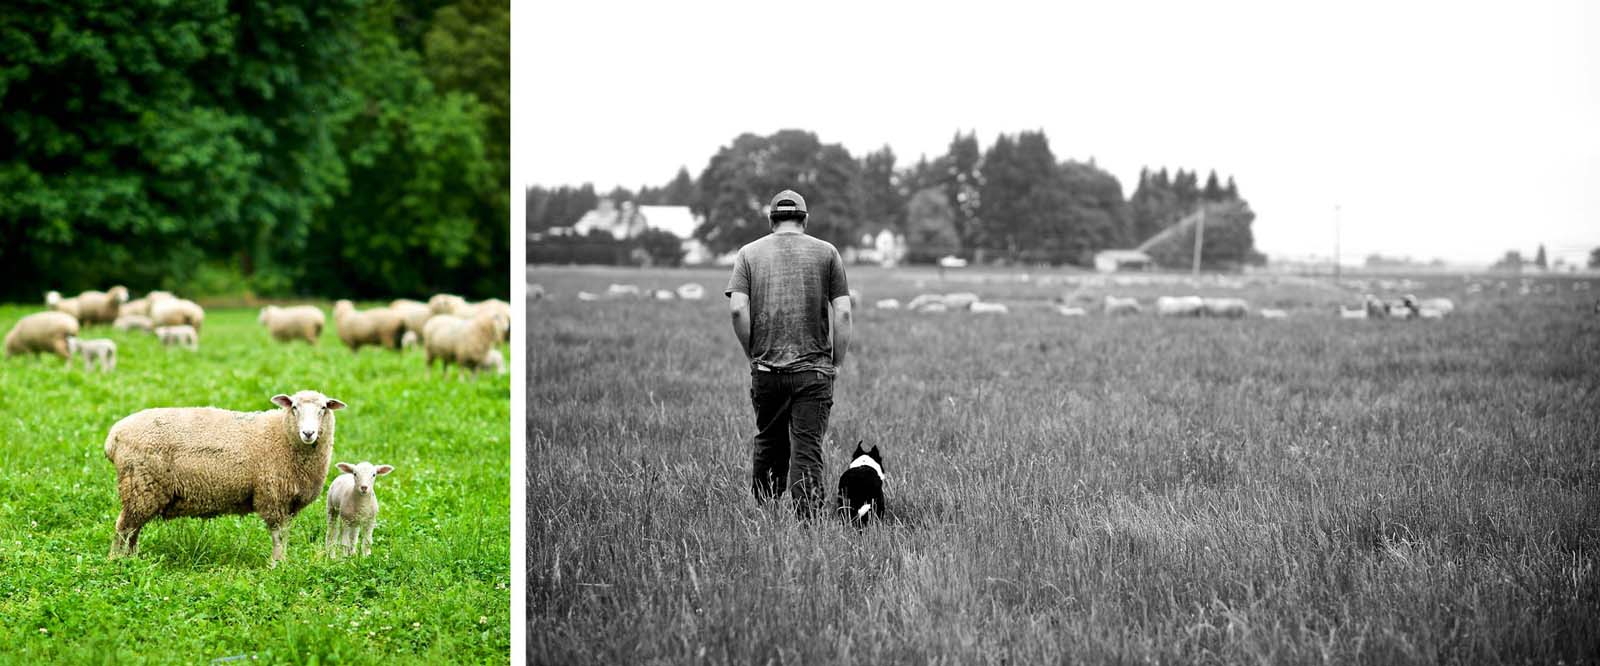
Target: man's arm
[842, 323]
[739, 306]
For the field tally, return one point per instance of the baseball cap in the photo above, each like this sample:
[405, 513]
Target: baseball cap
[788, 201]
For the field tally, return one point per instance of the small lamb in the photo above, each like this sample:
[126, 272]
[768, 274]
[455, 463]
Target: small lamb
[101, 349]
[184, 336]
[353, 508]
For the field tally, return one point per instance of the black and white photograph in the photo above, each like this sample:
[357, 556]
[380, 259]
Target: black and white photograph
[1009, 333]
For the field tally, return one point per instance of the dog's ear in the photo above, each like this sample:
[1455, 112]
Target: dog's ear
[874, 451]
[858, 450]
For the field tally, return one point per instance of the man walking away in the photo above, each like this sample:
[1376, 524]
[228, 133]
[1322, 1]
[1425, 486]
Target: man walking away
[780, 293]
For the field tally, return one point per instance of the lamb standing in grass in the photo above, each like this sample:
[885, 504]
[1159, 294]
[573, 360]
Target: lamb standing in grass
[42, 332]
[203, 462]
[177, 312]
[353, 508]
[182, 336]
[299, 322]
[101, 349]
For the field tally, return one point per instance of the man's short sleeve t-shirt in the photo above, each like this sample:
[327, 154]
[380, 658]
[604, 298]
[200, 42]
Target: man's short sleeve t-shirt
[791, 279]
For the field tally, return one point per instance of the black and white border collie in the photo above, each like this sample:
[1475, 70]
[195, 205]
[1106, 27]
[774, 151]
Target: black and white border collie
[861, 486]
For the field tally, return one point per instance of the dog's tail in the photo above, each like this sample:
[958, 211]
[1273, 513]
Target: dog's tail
[864, 509]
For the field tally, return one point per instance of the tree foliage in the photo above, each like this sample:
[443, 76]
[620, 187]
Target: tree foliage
[738, 184]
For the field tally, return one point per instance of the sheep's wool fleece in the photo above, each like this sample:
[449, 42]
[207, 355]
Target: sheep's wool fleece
[204, 461]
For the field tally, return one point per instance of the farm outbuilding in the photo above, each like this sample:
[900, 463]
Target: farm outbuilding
[1111, 261]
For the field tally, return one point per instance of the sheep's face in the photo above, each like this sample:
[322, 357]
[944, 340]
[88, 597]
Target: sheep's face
[366, 474]
[262, 319]
[306, 410]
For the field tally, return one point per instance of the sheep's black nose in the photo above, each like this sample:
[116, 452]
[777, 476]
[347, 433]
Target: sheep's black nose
[306, 434]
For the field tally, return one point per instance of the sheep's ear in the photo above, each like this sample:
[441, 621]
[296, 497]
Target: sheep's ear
[346, 468]
[383, 469]
[334, 404]
[282, 400]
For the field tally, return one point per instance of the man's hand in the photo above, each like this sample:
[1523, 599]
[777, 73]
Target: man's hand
[843, 327]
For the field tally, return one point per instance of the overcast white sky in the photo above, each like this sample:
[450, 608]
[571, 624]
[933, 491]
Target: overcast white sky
[1449, 129]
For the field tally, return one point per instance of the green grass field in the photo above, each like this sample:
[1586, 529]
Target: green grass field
[1077, 489]
[435, 590]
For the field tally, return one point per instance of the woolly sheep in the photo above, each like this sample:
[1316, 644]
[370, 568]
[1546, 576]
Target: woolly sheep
[887, 304]
[1179, 306]
[536, 291]
[409, 340]
[1269, 313]
[1231, 308]
[203, 462]
[133, 322]
[465, 342]
[501, 311]
[42, 332]
[177, 312]
[1071, 311]
[296, 322]
[445, 303]
[989, 308]
[1121, 306]
[183, 336]
[960, 301]
[496, 361]
[96, 307]
[689, 291]
[663, 294]
[620, 290]
[378, 326]
[415, 314]
[353, 508]
[54, 301]
[1435, 307]
[1354, 313]
[586, 296]
[141, 306]
[922, 301]
[100, 349]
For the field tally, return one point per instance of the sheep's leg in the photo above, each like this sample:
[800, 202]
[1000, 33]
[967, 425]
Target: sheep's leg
[113, 358]
[332, 534]
[366, 539]
[351, 537]
[280, 535]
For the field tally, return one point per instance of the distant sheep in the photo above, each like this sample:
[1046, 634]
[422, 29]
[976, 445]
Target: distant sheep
[496, 308]
[1071, 311]
[409, 339]
[664, 294]
[42, 332]
[141, 306]
[989, 308]
[377, 326]
[177, 312]
[691, 291]
[1434, 308]
[298, 322]
[1361, 312]
[1180, 306]
[1122, 306]
[179, 336]
[960, 301]
[1230, 308]
[495, 361]
[445, 303]
[68, 306]
[923, 300]
[620, 290]
[855, 297]
[353, 508]
[133, 322]
[415, 314]
[464, 342]
[536, 292]
[887, 304]
[1268, 313]
[203, 462]
[96, 307]
[586, 296]
[99, 350]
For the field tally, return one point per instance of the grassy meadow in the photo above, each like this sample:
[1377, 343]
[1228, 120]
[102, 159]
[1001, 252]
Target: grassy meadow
[435, 590]
[1085, 489]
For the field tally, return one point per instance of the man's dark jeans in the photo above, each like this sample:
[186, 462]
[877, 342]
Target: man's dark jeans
[791, 418]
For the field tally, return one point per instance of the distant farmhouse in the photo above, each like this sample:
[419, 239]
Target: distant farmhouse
[627, 221]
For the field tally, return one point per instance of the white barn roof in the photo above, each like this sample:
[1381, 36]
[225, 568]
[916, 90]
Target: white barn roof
[677, 220]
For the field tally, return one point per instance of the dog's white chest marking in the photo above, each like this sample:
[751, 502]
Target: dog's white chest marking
[867, 461]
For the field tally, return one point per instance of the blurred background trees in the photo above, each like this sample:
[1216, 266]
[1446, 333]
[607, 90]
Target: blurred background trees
[337, 148]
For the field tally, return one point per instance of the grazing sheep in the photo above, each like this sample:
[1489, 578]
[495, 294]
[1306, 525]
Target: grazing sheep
[922, 301]
[887, 304]
[1071, 311]
[42, 332]
[177, 312]
[1180, 306]
[415, 314]
[298, 322]
[1361, 312]
[203, 462]
[620, 290]
[1231, 308]
[664, 294]
[353, 507]
[101, 349]
[1269, 313]
[690, 291]
[1122, 306]
[445, 303]
[141, 306]
[960, 301]
[1376, 308]
[536, 291]
[1441, 306]
[378, 326]
[183, 336]
[989, 308]
[409, 340]
[96, 307]
[500, 310]
[133, 322]
[586, 296]
[465, 342]
[54, 301]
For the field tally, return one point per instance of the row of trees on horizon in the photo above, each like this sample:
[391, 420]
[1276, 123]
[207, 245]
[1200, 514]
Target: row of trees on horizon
[283, 147]
[1012, 202]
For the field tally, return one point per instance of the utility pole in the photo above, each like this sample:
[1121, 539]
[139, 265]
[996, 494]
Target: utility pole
[1199, 237]
[1336, 268]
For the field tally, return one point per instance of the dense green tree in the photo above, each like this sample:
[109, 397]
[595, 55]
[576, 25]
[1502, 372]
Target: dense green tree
[738, 184]
[882, 206]
[962, 181]
[1539, 258]
[1594, 258]
[931, 224]
[663, 248]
